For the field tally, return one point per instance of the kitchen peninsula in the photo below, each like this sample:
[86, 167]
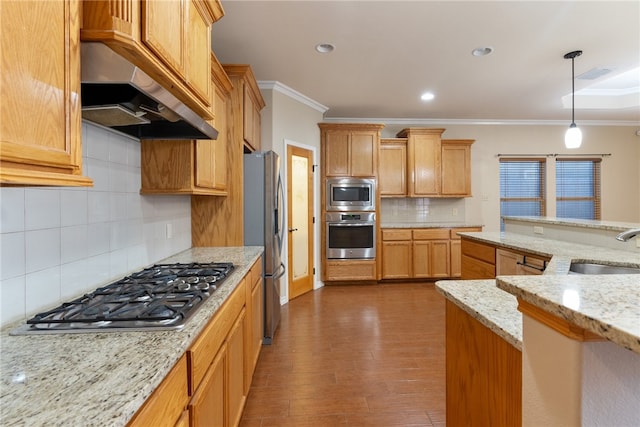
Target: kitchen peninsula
[103, 379]
[577, 336]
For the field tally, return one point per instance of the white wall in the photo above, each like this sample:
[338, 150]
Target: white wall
[58, 243]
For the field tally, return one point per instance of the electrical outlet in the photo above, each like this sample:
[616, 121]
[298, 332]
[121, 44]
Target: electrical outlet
[169, 230]
[454, 212]
[538, 230]
[485, 197]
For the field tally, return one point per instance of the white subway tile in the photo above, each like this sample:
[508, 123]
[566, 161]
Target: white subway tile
[42, 249]
[98, 170]
[11, 209]
[74, 280]
[98, 238]
[118, 263]
[42, 290]
[99, 206]
[73, 243]
[118, 178]
[118, 206]
[97, 142]
[12, 300]
[73, 207]
[98, 269]
[12, 254]
[42, 208]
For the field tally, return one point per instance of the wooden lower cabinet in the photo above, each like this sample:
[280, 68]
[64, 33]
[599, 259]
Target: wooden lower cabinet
[422, 253]
[166, 405]
[478, 260]
[511, 263]
[207, 406]
[349, 270]
[208, 386]
[484, 374]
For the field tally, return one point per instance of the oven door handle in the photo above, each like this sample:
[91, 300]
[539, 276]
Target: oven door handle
[351, 224]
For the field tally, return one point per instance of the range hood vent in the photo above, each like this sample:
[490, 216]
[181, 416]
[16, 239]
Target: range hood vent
[118, 95]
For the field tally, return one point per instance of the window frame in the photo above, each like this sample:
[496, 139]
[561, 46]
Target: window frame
[541, 199]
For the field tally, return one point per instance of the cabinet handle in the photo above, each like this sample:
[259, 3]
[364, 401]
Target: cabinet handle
[524, 264]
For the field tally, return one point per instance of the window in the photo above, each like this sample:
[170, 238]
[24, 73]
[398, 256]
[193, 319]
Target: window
[522, 188]
[578, 188]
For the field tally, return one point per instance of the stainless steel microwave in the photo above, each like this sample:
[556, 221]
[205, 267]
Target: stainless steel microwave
[351, 194]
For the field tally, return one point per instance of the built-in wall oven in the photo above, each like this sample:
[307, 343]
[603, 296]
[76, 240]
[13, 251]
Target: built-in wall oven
[350, 235]
[351, 194]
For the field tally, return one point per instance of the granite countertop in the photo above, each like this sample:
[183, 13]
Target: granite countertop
[580, 223]
[428, 225]
[608, 304]
[102, 379]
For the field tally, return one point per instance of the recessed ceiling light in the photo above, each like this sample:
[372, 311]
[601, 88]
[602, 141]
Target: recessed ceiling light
[482, 51]
[427, 96]
[325, 47]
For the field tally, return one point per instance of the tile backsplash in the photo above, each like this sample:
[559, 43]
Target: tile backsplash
[422, 210]
[57, 243]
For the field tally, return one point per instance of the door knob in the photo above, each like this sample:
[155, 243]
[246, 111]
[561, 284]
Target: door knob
[293, 229]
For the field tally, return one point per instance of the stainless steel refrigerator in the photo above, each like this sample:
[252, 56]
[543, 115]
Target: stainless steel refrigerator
[264, 226]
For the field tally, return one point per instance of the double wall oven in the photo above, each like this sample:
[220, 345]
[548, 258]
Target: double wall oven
[350, 218]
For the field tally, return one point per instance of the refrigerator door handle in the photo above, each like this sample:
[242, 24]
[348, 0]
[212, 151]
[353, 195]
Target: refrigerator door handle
[281, 270]
[279, 214]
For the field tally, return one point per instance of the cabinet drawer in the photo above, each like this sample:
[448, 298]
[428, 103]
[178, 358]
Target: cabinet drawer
[431, 234]
[479, 251]
[209, 341]
[167, 402]
[396, 234]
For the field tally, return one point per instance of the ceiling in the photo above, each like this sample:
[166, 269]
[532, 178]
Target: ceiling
[387, 53]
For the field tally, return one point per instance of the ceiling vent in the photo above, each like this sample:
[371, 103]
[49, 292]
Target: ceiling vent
[594, 73]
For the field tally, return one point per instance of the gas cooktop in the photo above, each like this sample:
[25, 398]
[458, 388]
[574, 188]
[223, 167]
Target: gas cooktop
[161, 297]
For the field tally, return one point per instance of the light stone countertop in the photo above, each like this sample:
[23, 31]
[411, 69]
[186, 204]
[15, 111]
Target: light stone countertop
[493, 307]
[428, 225]
[608, 305]
[572, 222]
[102, 379]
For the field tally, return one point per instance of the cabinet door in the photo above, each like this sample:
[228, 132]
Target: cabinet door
[421, 258]
[208, 404]
[40, 78]
[396, 260]
[456, 170]
[506, 263]
[163, 33]
[336, 148]
[198, 52]
[251, 121]
[257, 327]
[440, 258]
[393, 170]
[235, 371]
[456, 258]
[424, 165]
[364, 154]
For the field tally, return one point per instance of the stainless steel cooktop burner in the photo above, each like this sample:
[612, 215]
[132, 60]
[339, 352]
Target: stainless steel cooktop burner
[160, 297]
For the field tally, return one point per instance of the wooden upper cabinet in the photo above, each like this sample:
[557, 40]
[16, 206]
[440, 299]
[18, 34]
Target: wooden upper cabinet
[423, 161]
[40, 128]
[456, 167]
[249, 99]
[392, 174]
[350, 150]
[197, 167]
[170, 40]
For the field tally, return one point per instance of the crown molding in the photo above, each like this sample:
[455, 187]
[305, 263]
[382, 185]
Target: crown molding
[292, 93]
[489, 122]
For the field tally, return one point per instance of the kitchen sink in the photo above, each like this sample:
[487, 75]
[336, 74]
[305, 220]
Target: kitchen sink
[592, 268]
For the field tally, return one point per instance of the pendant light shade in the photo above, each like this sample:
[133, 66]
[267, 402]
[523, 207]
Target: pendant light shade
[573, 136]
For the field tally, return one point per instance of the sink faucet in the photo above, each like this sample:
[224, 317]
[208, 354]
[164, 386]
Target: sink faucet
[626, 235]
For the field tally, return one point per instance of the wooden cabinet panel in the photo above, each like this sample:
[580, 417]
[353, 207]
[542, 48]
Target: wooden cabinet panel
[440, 259]
[336, 149]
[208, 404]
[364, 154]
[235, 370]
[421, 259]
[251, 121]
[392, 173]
[163, 30]
[396, 234]
[167, 403]
[184, 420]
[456, 168]
[484, 374]
[351, 270]
[431, 234]
[198, 50]
[424, 167]
[510, 263]
[40, 77]
[478, 261]
[350, 150]
[456, 258]
[396, 259]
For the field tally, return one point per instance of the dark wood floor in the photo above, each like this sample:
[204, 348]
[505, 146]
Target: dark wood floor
[354, 355]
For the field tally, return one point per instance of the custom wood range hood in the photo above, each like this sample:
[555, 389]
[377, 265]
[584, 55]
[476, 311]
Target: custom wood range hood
[117, 94]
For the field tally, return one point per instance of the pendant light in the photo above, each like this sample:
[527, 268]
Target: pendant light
[573, 136]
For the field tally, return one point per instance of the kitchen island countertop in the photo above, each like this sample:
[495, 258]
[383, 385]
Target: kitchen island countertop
[607, 305]
[102, 379]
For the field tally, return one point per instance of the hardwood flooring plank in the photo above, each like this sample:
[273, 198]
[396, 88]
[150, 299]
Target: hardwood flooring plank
[354, 356]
